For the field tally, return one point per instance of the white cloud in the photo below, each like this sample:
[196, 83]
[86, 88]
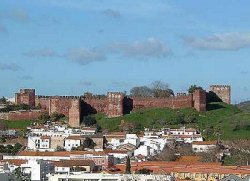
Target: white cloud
[84, 56]
[46, 52]
[141, 49]
[12, 67]
[227, 41]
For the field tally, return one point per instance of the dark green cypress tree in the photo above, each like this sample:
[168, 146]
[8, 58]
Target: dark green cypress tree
[128, 166]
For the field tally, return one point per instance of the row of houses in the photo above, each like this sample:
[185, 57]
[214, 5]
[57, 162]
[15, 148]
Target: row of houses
[193, 170]
[186, 168]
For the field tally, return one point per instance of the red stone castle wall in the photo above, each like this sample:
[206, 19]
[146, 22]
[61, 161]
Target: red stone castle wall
[113, 105]
[26, 96]
[199, 97]
[23, 115]
[59, 104]
[99, 104]
[171, 102]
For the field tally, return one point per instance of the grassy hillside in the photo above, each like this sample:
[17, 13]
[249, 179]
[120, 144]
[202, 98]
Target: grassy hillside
[244, 106]
[22, 124]
[221, 120]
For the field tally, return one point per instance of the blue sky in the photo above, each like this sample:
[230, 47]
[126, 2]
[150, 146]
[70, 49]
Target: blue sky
[68, 47]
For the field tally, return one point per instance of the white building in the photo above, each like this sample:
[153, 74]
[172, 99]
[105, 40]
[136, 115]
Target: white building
[37, 169]
[67, 166]
[110, 177]
[203, 146]
[142, 150]
[132, 139]
[88, 131]
[41, 143]
[72, 142]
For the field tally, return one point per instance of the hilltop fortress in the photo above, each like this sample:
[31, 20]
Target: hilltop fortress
[115, 104]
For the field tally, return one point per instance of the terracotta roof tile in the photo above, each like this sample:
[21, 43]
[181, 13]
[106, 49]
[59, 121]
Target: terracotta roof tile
[16, 162]
[45, 137]
[74, 138]
[204, 142]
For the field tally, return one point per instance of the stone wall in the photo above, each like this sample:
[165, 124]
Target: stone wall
[23, 115]
[180, 101]
[74, 113]
[223, 92]
[115, 104]
[199, 98]
[59, 104]
[26, 96]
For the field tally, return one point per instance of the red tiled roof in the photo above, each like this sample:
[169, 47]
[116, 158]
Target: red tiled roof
[45, 137]
[90, 129]
[115, 151]
[190, 136]
[16, 162]
[74, 138]
[80, 152]
[46, 153]
[180, 167]
[99, 153]
[204, 142]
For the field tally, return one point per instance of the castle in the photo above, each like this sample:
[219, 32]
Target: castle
[115, 104]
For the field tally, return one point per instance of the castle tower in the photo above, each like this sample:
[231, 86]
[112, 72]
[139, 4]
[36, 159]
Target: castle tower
[74, 113]
[26, 96]
[115, 104]
[223, 92]
[199, 98]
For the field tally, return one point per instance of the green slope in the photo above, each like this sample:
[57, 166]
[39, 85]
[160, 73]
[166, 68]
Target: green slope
[220, 121]
[244, 106]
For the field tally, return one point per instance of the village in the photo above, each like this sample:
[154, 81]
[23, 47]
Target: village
[57, 151]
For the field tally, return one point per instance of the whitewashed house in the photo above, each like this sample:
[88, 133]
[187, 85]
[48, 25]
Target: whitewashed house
[203, 146]
[72, 142]
[132, 139]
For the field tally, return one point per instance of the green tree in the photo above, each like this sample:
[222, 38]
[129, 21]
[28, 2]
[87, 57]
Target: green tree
[3, 125]
[89, 143]
[194, 87]
[55, 116]
[44, 117]
[16, 148]
[89, 120]
[142, 91]
[18, 173]
[143, 171]
[3, 100]
[128, 165]
[161, 89]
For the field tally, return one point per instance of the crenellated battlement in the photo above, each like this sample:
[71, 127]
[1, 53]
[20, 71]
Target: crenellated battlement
[223, 92]
[221, 86]
[115, 104]
[181, 94]
[59, 97]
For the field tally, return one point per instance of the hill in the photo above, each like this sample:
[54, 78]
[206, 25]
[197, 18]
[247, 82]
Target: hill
[222, 121]
[244, 106]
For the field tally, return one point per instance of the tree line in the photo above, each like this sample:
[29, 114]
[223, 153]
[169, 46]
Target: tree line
[158, 89]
